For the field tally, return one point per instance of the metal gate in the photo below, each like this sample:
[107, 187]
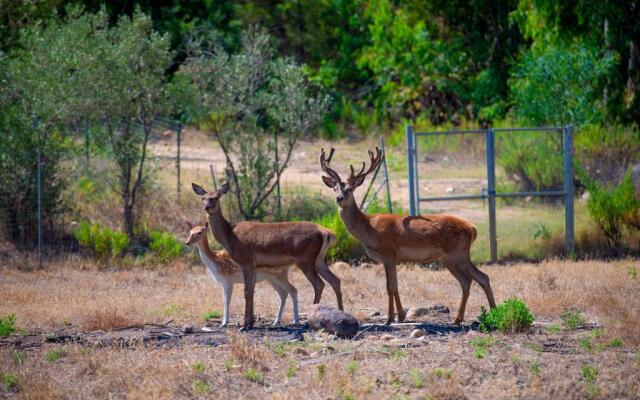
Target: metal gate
[558, 150]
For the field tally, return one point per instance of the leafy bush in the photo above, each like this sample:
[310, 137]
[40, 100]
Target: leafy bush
[612, 207]
[560, 84]
[512, 315]
[531, 161]
[7, 325]
[103, 242]
[165, 246]
[346, 245]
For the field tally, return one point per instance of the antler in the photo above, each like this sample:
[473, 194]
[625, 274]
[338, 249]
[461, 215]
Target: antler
[375, 161]
[324, 164]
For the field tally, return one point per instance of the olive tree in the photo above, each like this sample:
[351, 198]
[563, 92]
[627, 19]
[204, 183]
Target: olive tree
[258, 105]
[129, 91]
[41, 101]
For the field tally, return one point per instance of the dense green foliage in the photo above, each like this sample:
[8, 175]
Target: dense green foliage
[613, 207]
[165, 246]
[103, 242]
[511, 315]
[97, 73]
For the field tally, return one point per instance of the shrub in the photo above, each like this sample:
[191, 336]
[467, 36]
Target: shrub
[346, 245]
[612, 207]
[102, 242]
[165, 246]
[572, 318]
[509, 316]
[531, 161]
[7, 325]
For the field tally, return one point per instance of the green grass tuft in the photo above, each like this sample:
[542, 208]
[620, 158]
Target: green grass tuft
[512, 315]
[7, 325]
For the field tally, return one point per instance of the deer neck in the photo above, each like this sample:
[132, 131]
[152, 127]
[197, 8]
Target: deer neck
[357, 223]
[222, 230]
[207, 256]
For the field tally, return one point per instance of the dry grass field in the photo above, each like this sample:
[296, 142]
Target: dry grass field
[76, 299]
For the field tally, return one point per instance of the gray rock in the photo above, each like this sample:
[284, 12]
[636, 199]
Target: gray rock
[333, 321]
[188, 329]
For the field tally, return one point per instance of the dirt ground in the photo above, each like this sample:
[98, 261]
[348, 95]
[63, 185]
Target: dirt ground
[87, 331]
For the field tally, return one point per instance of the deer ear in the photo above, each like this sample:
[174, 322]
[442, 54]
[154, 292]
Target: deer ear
[224, 188]
[328, 181]
[358, 181]
[188, 224]
[198, 189]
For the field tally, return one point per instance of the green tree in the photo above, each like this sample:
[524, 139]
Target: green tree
[259, 107]
[561, 85]
[131, 59]
[40, 105]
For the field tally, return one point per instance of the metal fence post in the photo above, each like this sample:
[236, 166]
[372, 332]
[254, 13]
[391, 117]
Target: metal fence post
[178, 140]
[491, 191]
[386, 175]
[410, 166]
[567, 159]
[39, 200]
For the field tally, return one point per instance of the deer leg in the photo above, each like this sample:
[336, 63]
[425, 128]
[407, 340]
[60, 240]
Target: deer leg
[332, 279]
[465, 284]
[227, 290]
[392, 285]
[249, 273]
[318, 285]
[483, 281]
[282, 293]
[293, 292]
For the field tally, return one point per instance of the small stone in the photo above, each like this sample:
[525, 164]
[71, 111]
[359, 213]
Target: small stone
[188, 329]
[450, 190]
[375, 313]
[301, 351]
[386, 336]
[417, 333]
[417, 312]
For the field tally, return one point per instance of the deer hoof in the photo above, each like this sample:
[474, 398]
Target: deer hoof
[401, 315]
[389, 320]
[458, 321]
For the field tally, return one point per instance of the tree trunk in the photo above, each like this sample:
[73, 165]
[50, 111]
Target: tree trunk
[128, 217]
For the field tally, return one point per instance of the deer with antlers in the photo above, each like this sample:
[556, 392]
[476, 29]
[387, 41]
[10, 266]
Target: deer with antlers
[390, 239]
[271, 245]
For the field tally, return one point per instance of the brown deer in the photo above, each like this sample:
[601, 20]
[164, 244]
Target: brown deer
[276, 244]
[390, 239]
[227, 273]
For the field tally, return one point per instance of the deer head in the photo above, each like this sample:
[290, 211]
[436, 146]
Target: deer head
[344, 191]
[210, 200]
[196, 232]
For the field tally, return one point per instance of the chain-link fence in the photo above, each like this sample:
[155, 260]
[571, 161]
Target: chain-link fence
[515, 184]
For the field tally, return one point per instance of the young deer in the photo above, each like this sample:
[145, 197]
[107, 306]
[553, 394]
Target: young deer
[271, 245]
[227, 273]
[390, 239]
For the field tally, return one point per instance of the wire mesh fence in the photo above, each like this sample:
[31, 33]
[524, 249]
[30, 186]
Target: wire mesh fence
[176, 158]
[516, 185]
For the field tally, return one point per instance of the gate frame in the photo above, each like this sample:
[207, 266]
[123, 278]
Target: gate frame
[491, 194]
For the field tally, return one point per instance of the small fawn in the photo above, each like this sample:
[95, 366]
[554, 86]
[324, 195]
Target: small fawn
[226, 272]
